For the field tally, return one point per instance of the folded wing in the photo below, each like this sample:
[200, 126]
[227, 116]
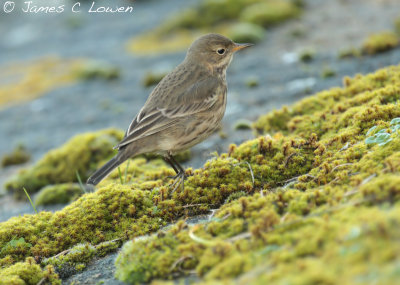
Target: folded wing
[159, 114]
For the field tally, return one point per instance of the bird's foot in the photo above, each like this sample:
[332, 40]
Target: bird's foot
[179, 181]
[173, 176]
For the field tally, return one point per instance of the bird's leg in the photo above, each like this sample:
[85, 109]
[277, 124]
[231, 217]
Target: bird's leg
[168, 160]
[180, 168]
[180, 172]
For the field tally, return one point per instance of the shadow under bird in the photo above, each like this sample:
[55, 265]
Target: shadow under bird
[185, 108]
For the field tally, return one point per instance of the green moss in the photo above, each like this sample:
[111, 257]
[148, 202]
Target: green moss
[243, 20]
[81, 154]
[307, 55]
[15, 247]
[143, 263]
[328, 72]
[252, 82]
[242, 124]
[39, 77]
[209, 13]
[58, 194]
[246, 33]
[269, 13]
[373, 44]
[152, 78]
[71, 261]
[18, 156]
[97, 70]
[326, 201]
[349, 53]
[235, 196]
[93, 218]
[74, 260]
[29, 273]
[306, 195]
[380, 42]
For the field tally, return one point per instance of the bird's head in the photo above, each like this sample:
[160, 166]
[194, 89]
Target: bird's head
[213, 50]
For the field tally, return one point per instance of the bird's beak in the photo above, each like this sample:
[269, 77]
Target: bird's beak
[241, 46]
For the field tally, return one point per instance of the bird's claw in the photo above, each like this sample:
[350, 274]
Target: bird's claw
[173, 176]
[179, 180]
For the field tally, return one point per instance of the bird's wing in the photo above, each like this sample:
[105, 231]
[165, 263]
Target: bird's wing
[158, 115]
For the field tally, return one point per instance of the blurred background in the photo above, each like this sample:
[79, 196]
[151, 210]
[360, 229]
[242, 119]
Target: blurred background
[64, 72]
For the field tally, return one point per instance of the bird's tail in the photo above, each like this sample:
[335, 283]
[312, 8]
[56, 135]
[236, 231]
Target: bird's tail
[105, 170]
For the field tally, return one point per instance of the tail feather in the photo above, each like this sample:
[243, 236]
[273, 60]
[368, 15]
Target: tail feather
[105, 170]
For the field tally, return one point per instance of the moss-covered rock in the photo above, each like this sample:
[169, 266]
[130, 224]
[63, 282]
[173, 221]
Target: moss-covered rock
[296, 205]
[349, 53]
[139, 262]
[380, 42]
[58, 194]
[75, 259]
[18, 156]
[81, 155]
[246, 33]
[242, 124]
[307, 55]
[327, 199]
[268, 13]
[89, 70]
[28, 273]
[243, 20]
[328, 72]
[153, 78]
[39, 77]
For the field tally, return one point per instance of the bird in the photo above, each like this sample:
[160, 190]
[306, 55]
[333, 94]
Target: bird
[185, 108]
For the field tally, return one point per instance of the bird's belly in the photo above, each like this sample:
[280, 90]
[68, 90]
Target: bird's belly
[197, 130]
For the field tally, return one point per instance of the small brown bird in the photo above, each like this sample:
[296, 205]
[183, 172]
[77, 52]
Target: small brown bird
[184, 109]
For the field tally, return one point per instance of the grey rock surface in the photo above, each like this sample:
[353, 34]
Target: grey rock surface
[50, 120]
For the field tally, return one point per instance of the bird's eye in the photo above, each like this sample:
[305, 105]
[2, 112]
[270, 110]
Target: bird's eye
[221, 51]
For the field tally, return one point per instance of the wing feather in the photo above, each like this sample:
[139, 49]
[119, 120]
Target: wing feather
[154, 117]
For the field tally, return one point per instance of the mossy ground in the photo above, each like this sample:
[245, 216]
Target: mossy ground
[380, 42]
[59, 194]
[28, 81]
[80, 156]
[241, 20]
[373, 44]
[313, 200]
[326, 205]
[24, 82]
[18, 156]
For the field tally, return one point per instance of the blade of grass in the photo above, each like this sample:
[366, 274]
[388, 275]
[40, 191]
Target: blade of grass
[30, 200]
[120, 175]
[80, 182]
[126, 171]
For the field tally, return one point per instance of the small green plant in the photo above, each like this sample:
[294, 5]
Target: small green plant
[384, 136]
[123, 181]
[15, 243]
[80, 181]
[120, 175]
[30, 200]
[126, 172]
